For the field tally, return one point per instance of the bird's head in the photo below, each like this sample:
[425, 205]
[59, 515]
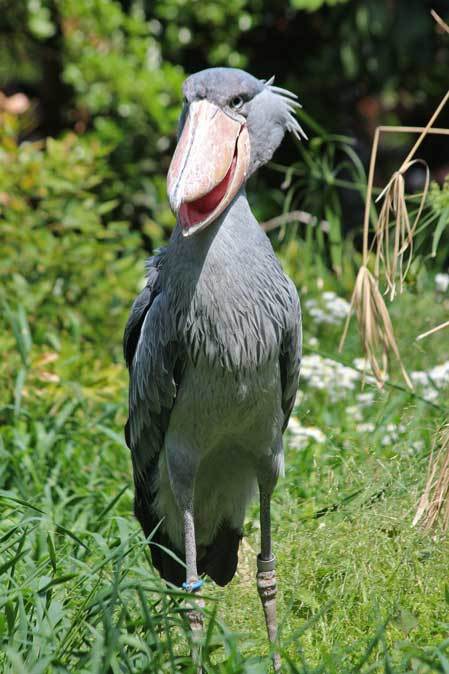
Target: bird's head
[230, 125]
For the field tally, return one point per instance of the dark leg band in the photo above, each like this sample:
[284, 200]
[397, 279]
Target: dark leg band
[266, 564]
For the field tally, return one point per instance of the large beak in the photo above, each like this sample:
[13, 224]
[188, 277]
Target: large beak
[209, 166]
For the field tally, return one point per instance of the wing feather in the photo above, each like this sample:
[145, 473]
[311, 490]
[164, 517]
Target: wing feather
[152, 354]
[290, 357]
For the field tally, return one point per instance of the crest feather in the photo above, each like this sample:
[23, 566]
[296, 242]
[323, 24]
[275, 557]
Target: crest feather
[288, 100]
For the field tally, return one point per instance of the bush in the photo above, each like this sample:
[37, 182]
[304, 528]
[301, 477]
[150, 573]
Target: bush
[60, 261]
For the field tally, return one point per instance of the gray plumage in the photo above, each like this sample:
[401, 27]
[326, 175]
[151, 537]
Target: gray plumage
[213, 346]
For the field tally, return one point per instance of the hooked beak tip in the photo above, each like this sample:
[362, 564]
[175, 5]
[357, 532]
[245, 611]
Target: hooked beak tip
[175, 203]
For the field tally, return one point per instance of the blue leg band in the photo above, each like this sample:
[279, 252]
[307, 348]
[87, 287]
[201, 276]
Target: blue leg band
[193, 587]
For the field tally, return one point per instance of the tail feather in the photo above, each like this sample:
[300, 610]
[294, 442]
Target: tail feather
[219, 559]
[170, 569]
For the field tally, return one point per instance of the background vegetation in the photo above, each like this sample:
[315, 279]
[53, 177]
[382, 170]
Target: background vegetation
[90, 93]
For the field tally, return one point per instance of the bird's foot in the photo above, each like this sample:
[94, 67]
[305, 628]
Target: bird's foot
[196, 605]
[266, 587]
[194, 614]
[196, 618]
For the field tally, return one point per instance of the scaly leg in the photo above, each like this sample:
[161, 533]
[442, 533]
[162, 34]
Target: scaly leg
[193, 584]
[266, 573]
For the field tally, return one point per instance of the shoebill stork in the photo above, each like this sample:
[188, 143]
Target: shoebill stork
[213, 343]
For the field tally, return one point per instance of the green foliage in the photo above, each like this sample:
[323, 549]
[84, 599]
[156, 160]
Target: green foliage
[40, 23]
[59, 261]
[439, 202]
[212, 28]
[313, 5]
[113, 63]
[328, 165]
[115, 87]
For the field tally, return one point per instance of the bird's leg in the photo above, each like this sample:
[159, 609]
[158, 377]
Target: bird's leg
[190, 548]
[193, 584]
[266, 573]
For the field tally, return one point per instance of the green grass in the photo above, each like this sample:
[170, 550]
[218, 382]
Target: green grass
[360, 589]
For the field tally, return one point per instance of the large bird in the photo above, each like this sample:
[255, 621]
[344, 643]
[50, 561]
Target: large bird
[213, 342]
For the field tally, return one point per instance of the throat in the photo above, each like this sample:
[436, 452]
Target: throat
[226, 249]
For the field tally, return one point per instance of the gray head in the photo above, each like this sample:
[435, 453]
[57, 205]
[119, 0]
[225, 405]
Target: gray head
[230, 125]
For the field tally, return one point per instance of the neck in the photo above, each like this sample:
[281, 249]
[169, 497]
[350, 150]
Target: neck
[227, 243]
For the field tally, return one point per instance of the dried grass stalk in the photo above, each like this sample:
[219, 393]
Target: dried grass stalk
[434, 502]
[296, 216]
[396, 259]
[437, 328]
[393, 257]
[375, 326]
[394, 204]
[439, 20]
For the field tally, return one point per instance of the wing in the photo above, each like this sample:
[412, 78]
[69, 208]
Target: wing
[290, 357]
[152, 354]
[155, 365]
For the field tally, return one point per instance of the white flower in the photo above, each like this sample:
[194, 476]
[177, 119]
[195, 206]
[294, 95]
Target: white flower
[419, 378]
[367, 427]
[364, 366]
[392, 433]
[355, 412]
[328, 309]
[439, 375]
[330, 376]
[361, 363]
[431, 382]
[430, 394]
[441, 283]
[303, 435]
[365, 399]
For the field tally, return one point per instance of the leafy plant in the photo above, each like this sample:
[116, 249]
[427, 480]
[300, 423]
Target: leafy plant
[439, 202]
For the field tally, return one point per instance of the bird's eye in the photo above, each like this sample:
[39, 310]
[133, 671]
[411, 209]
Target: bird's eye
[236, 102]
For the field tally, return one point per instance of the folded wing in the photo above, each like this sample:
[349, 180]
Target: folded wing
[154, 361]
